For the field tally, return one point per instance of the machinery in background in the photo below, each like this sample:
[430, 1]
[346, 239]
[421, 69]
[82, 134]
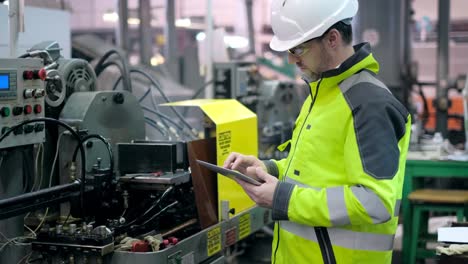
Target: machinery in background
[119, 194]
[21, 98]
[277, 103]
[277, 109]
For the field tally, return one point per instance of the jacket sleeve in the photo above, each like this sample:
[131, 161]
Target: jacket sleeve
[275, 167]
[374, 170]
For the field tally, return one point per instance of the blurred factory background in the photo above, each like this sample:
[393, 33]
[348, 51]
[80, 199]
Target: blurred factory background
[96, 165]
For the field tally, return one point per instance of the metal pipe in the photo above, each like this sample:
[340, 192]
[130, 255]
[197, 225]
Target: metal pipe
[406, 50]
[16, 22]
[442, 102]
[250, 23]
[209, 50]
[180, 227]
[170, 48]
[23, 203]
[465, 108]
[122, 29]
[144, 11]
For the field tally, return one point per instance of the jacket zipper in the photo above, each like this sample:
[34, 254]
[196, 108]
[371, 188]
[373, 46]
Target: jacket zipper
[303, 123]
[289, 164]
[325, 245]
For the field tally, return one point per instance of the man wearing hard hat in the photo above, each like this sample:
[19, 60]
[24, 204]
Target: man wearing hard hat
[336, 197]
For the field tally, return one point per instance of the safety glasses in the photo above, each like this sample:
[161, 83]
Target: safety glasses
[298, 51]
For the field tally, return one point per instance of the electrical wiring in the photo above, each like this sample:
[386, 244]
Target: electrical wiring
[201, 89]
[30, 230]
[156, 203]
[103, 140]
[155, 125]
[167, 118]
[160, 212]
[163, 116]
[42, 221]
[197, 93]
[155, 106]
[37, 172]
[126, 73]
[13, 241]
[25, 258]
[55, 158]
[50, 183]
[112, 63]
[157, 86]
[74, 134]
[28, 167]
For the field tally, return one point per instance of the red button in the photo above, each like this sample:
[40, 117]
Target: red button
[27, 109]
[28, 75]
[37, 109]
[42, 74]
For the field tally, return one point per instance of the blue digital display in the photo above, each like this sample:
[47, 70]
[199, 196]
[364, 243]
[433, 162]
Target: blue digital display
[4, 82]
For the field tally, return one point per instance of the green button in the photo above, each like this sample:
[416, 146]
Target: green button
[5, 111]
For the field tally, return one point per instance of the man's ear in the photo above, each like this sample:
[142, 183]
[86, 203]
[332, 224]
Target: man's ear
[333, 38]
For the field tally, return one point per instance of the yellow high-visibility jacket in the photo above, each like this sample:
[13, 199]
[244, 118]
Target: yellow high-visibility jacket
[340, 186]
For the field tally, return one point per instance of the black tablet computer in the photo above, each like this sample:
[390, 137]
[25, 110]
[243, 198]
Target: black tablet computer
[229, 173]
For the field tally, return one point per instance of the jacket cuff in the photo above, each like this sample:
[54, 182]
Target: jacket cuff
[281, 199]
[272, 168]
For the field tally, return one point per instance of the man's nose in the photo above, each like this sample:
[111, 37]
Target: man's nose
[292, 59]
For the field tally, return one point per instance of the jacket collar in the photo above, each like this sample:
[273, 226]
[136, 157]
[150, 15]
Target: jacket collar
[360, 60]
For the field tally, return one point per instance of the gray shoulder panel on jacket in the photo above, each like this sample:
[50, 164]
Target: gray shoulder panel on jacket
[379, 123]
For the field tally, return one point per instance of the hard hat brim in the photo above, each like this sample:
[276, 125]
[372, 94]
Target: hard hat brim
[280, 45]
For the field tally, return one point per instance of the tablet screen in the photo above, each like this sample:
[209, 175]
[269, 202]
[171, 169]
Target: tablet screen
[229, 173]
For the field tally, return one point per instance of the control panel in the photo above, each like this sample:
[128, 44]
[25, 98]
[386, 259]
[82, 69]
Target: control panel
[21, 98]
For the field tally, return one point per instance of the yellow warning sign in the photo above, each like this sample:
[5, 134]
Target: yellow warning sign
[224, 141]
[244, 225]
[214, 241]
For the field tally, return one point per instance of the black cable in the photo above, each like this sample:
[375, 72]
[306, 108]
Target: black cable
[197, 93]
[73, 133]
[99, 65]
[157, 85]
[111, 63]
[160, 212]
[116, 83]
[166, 192]
[144, 95]
[108, 146]
[153, 124]
[161, 115]
[66, 219]
[425, 115]
[201, 89]
[26, 171]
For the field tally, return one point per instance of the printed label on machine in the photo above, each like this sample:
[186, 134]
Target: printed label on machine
[244, 226]
[214, 241]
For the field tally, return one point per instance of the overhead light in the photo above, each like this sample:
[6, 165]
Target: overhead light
[200, 36]
[6, 3]
[133, 21]
[157, 59]
[110, 16]
[183, 22]
[236, 42]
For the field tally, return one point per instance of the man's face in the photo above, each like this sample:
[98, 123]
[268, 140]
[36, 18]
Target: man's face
[310, 57]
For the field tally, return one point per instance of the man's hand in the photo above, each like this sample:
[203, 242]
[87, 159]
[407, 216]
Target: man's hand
[243, 163]
[263, 194]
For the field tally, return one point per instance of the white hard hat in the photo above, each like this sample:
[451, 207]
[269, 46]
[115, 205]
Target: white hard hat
[296, 21]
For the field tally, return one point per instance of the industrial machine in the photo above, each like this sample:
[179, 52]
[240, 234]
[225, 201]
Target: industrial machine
[80, 181]
[276, 103]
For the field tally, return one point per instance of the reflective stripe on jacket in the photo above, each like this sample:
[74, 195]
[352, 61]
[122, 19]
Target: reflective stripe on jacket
[340, 186]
